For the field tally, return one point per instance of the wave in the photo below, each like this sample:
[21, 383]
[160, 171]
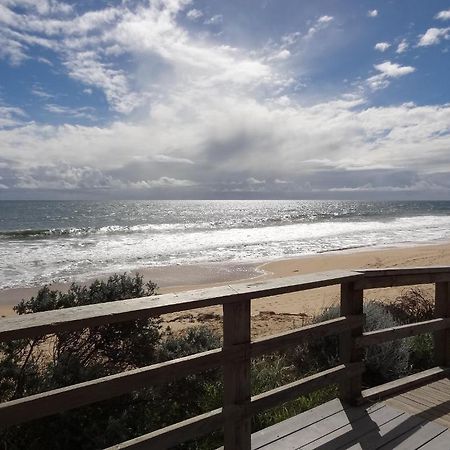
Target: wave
[247, 223]
[38, 234]
[105, 230]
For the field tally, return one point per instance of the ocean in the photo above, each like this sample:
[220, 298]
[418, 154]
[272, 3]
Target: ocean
[47, 241]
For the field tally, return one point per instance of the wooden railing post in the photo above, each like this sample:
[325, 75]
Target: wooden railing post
[351, 305]
[442, 337]
[236, 377]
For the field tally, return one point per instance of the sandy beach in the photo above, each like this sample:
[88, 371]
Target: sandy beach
[276, 313]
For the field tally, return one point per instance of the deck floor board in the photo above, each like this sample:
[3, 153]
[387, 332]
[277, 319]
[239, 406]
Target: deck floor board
[416, 419]
[431, 401]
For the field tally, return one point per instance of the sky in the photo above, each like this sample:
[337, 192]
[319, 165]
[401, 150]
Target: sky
[224, 99]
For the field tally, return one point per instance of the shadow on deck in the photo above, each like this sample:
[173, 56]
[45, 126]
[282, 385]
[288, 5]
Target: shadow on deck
[414, 419]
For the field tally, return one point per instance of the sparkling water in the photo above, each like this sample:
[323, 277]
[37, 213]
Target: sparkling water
[45, 241]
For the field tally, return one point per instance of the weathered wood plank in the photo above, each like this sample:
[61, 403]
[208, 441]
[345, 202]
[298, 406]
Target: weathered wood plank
[401, 332]
[308, 332]
[38, 324]
[304, 436]
[404, 270]
[403, 384]
[355, 430]
[401, 280]
[439, 409]
[415, 437]
[304, 386]
[173, 434]
[74, 396]
[286, 285]
[441, 384]
[275, 434]
[387, 431]
[439, 442]
[442, 338]
[236, 375]
[433, 394]
[351, 304]
[408, 403]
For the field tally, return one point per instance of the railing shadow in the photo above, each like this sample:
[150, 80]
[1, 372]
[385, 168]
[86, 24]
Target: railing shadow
[366, 432]
[364, 429]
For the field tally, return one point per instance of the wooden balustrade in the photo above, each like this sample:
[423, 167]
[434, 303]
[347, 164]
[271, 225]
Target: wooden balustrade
[238, 349]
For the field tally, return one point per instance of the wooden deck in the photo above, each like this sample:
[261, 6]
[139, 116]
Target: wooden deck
[333, 426]
[431, 402]
[417, 419]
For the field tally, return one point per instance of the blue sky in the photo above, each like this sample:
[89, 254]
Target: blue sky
[224, 99]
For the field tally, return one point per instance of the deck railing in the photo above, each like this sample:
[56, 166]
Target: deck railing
[237, 350]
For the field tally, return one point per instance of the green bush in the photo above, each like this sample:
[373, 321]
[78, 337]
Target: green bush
[30, 366]
[388, 361]
[421, 356]
[411, 306]
[383, 362]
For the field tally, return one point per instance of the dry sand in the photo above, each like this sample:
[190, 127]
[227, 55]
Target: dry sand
[277, 313]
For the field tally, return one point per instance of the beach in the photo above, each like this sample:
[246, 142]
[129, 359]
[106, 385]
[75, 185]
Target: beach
[278, 313]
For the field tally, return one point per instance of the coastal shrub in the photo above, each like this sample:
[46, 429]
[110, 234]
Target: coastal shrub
[413, 305]
[383, 362]
[387, 361]
[29, 366]
[421, 356]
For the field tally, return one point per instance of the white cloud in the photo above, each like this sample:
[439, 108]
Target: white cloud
[212, 117]
[280, 56]
[402, 46]
[372, 13]
[172, 159]
[320, 24]
[11, 116]
[417, 186]
[253, 180]
[433, 36]
[382, 46]
[379, 81]
[194, 14]
[38, 91]
[387, 70]
[291, 38]
[82, 112]
[232, 138]
[325, 19]
[393, 69]
[214, 20]
[443, 15]
[162, 182]
[86, 67]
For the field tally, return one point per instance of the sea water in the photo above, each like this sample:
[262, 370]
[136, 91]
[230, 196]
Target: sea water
[46, 241]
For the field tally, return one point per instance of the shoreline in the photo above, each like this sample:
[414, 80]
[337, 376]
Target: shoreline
[289, 306]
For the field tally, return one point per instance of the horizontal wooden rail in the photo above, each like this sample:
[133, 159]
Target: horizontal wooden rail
[205, 423]
[238, 348]
[49, 322]
[304, 386]
[396, 271]
[401, 331]
[403, 384]
[381, 278]
[76, 395]
[308, 332]
[171, 435]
